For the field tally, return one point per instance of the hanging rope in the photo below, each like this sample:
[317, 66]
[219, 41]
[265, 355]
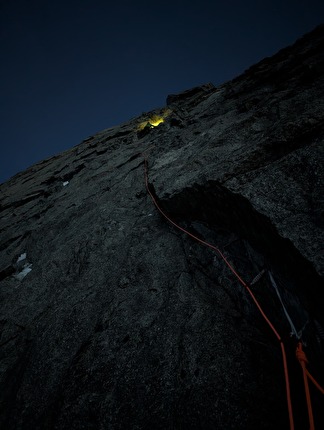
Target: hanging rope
[303, 360]
[218, 251]
[301, 357]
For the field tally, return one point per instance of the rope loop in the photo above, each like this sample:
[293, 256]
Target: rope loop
[300, 354]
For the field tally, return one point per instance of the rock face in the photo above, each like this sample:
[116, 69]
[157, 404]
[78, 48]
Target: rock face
[111, 318]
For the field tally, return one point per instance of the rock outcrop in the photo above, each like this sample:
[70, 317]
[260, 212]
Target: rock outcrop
[111, 318]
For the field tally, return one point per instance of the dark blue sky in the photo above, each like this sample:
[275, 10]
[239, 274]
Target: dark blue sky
[72, 68]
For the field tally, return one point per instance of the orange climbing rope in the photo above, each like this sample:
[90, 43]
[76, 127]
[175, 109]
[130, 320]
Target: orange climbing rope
[283, 351]
[301, 357]
[317, 385]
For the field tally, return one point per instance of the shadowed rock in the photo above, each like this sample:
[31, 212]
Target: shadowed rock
[121, 321]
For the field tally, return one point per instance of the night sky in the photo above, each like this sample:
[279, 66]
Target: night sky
[72, 68]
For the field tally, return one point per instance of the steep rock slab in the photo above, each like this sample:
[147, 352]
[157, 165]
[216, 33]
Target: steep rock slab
[123, 321]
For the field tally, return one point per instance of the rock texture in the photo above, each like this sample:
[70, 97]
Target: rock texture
[113, 319]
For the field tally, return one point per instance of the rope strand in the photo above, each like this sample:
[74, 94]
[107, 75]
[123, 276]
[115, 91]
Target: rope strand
[301, 356]
[214, 248]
